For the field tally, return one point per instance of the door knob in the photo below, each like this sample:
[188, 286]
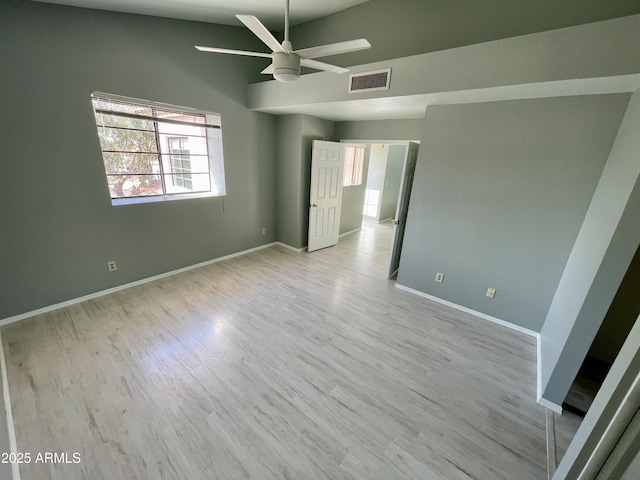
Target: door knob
[314, 205]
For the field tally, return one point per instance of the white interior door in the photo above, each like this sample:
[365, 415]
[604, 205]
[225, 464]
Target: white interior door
[403, 206]
[327, 164]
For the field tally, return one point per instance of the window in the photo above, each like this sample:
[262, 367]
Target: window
[155, 152]
[180, 161]
[353, 165]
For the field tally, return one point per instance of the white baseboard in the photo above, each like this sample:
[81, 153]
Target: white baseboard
[539, 369]
[541, 401]
[350, 232]
[289, 247]
[305, 247]
[484, 316]
[73, 301]
[551, 406]
[375, 220]
[13, 444]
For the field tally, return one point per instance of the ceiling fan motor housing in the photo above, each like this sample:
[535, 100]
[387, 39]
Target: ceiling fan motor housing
[286, 66]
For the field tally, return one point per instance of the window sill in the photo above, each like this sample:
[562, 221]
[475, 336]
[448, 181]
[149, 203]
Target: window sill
[162, 198]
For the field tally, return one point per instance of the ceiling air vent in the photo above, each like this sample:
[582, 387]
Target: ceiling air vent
[370, 81]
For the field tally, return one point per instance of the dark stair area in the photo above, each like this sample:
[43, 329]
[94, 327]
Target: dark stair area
[586, 386]
[615, 328]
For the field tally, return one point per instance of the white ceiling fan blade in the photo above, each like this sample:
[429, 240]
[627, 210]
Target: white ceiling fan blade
[333, 48]
[269, 70]
[234, 52]
[322, 66]
[260, 31]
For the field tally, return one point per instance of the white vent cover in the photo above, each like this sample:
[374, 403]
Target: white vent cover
[370, 81]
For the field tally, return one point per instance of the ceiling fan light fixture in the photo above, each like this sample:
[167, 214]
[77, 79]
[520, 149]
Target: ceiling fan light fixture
[286, 67]
[285, 76]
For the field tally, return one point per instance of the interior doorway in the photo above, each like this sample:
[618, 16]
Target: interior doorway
[384, 194]
[384, 177]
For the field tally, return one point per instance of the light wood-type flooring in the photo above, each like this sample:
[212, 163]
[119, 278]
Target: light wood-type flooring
[276, 365]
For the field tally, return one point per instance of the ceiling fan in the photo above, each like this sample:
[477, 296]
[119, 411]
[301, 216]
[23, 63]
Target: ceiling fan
[285, 65]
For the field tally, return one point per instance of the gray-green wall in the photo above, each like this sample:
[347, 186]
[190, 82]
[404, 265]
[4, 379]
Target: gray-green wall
[289, 159]
[295, 136]
[602, 253]
[58, 226]
[353, 200]
[392, 179]
[399, 28]
[500, 193]
[5, 468]
[407, 129]
[352, 203]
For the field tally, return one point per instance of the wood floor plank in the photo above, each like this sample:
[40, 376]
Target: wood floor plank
[276, 365]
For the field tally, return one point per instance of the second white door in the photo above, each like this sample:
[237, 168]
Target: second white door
[327, 164]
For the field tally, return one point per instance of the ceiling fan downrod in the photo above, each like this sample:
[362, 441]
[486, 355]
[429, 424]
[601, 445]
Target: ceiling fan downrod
[286, 65]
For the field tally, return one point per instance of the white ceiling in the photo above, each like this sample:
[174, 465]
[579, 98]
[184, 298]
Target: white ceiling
[270, 12]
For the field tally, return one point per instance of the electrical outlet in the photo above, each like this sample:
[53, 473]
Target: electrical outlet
[439, 277]
[112, 266]
[491, 292]
[264, 230]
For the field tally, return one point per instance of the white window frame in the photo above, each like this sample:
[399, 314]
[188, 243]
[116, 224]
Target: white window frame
[353, 167]
[213, 125]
